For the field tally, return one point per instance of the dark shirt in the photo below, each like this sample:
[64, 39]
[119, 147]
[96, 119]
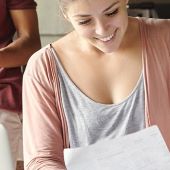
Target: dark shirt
[11, 78]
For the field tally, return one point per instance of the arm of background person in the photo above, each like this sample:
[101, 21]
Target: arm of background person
[28, 41]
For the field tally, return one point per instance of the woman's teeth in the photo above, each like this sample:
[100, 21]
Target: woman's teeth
[106, 38]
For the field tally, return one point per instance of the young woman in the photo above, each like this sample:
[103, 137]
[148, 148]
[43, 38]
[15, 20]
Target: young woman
[108, 78]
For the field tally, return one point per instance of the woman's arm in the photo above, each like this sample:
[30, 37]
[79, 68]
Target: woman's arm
[42, 129]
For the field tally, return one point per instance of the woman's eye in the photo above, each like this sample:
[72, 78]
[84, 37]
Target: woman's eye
[84, 22]
[113, 13]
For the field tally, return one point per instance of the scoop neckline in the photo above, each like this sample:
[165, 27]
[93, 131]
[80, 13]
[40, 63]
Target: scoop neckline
[59, 64]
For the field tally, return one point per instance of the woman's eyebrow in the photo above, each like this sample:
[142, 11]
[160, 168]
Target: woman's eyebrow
[81, 15]
[86, 15]
[113, 4]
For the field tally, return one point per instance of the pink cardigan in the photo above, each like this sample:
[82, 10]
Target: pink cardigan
[45, 129]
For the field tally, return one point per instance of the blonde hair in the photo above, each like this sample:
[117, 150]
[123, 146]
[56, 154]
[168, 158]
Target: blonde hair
[63, 4]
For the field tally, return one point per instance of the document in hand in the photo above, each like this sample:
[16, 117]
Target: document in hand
[143, 150]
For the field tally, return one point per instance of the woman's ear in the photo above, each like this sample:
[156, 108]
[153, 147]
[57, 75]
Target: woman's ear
[64, 14]
[127, 1]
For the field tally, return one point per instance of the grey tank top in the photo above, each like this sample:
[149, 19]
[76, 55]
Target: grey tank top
[89, 121]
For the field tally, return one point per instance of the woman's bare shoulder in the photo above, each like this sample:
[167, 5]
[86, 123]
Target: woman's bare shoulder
[66, 44]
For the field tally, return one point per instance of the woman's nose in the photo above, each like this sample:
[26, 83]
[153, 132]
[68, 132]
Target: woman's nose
[101, 27]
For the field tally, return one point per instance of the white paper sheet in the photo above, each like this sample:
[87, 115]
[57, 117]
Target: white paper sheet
[143, 150]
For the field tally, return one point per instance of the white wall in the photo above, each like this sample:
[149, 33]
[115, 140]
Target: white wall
[52, 25]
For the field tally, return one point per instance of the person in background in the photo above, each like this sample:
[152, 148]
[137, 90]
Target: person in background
[107, 78]
[20, 17]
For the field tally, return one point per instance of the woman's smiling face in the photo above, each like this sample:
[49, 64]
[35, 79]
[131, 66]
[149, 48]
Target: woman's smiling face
[103, 23]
